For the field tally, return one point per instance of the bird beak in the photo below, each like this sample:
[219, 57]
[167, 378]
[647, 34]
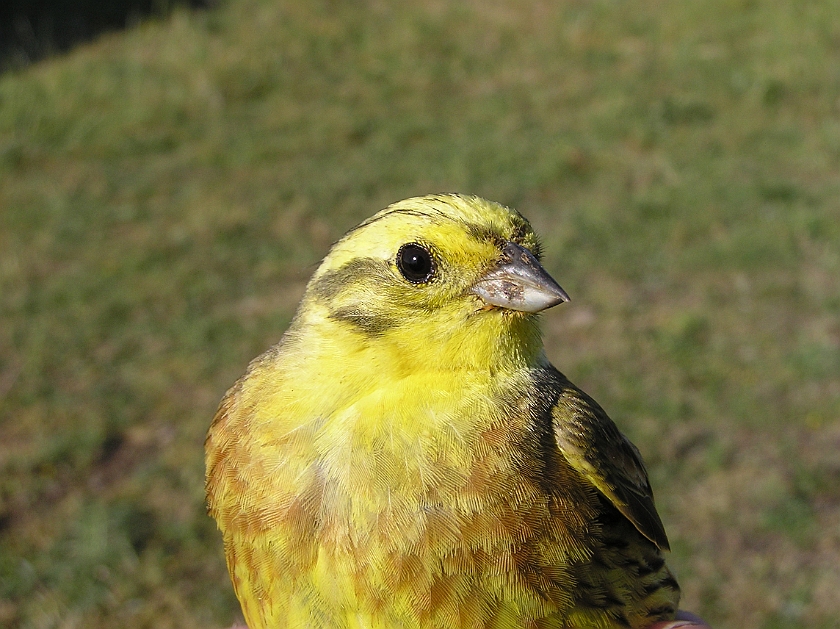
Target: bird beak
[518, 282]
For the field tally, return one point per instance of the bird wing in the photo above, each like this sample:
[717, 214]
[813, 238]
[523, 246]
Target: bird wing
[592, 444]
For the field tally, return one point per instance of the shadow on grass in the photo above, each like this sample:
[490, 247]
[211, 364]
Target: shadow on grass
[31, 30]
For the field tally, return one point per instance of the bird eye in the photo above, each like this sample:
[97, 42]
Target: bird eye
[415, 263]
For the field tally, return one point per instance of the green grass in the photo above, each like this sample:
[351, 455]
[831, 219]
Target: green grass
[166, 192]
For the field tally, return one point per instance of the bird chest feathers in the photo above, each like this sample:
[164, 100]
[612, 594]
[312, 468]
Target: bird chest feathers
[418, 503]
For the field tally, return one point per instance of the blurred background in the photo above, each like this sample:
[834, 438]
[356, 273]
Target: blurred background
[167, 189]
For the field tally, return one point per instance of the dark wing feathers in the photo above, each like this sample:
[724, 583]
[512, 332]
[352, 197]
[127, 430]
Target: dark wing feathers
[592, 444]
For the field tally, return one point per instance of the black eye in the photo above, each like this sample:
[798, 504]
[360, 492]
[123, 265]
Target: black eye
[415, 263]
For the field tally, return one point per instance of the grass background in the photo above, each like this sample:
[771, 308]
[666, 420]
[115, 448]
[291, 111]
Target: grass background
[166, 192]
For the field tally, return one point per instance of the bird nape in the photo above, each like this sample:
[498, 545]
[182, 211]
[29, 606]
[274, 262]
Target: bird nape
[406, 456]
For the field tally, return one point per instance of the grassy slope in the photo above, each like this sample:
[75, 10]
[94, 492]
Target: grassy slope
[166, 192]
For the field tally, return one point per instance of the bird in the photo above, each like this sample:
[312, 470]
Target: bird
[406, 456]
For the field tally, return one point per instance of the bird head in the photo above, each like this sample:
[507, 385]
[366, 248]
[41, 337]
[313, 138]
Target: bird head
[453, 279]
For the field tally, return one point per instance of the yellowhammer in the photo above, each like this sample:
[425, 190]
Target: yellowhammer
[406, 456]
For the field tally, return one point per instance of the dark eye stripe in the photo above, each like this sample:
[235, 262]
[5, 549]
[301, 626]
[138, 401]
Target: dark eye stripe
[357, 271]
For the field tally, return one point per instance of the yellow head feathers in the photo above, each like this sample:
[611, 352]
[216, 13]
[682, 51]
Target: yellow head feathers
[425, 271]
